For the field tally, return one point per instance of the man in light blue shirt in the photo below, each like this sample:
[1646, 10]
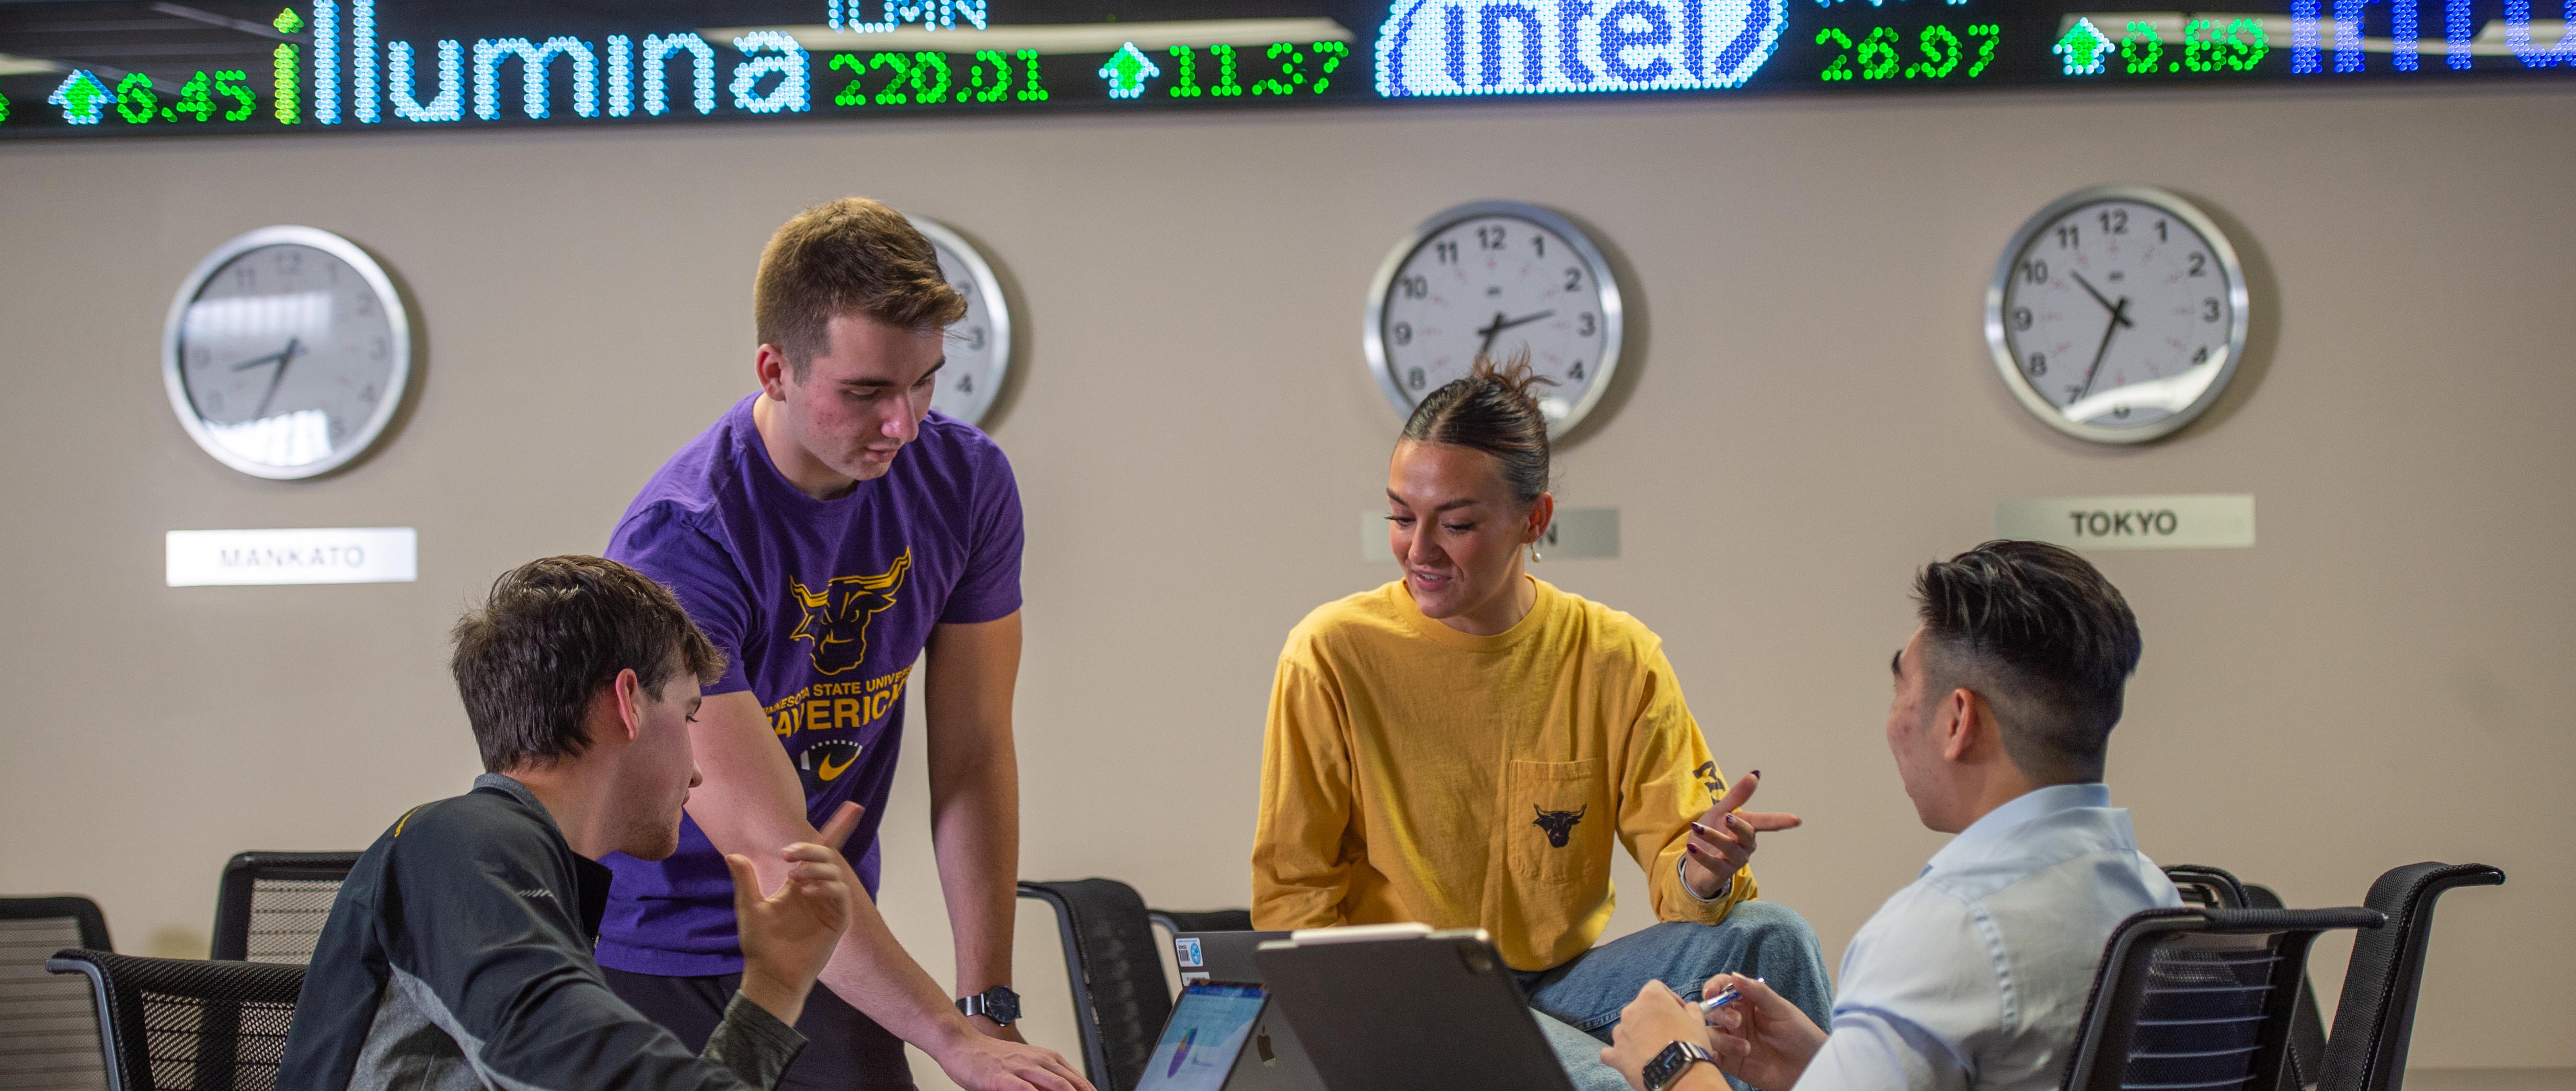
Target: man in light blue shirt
[1975, 977]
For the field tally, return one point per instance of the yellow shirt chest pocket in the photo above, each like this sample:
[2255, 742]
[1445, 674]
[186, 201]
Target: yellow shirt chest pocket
[1558, 822]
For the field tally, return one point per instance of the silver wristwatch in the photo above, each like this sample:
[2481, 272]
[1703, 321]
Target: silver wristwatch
[1671, 1063]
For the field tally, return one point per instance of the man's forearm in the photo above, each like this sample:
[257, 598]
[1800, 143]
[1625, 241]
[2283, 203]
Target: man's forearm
[975, 828]
[751, 804]
[975, 792]
[872, 973]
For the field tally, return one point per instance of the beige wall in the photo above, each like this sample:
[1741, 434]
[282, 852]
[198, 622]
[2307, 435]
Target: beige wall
[2384, 679]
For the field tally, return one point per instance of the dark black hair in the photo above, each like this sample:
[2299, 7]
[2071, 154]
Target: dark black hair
[2044, 638]
[1491, 410]
[552, 633]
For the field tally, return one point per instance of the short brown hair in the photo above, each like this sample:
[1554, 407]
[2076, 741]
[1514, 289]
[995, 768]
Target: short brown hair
[850, 256]
[552, 633]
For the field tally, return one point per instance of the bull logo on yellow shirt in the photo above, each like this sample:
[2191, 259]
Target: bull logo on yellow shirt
[1558, 824]
[836, 617]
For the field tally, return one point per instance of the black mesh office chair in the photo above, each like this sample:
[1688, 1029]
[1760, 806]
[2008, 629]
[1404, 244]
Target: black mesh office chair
[272, 905]
[2218, 888]
[2199, 998]
[2307, 1025]
[48, 1034]
[2376, 1018]
[183, 1025]
[1120, 1000]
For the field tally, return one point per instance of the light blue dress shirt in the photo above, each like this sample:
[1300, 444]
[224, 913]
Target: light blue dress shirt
[1974, 978]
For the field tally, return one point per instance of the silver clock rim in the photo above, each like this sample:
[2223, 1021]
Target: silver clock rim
[397, 385]
[999, 305]
[2238, 298]
[1613, 310]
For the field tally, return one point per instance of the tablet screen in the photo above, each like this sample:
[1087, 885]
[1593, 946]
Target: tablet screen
[1207, 1031]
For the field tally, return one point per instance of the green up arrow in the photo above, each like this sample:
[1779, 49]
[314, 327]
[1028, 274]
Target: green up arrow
[2084, 48]
[82, 97]
[1127, 71]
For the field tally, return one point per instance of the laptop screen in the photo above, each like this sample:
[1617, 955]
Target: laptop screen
[1207, 1032]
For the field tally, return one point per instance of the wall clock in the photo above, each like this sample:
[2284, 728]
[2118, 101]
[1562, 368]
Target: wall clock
[2117, 314]
[979, 345]
[1496, 278]
[286, 353]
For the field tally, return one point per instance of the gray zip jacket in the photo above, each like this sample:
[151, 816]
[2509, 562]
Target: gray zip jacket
[458, 958]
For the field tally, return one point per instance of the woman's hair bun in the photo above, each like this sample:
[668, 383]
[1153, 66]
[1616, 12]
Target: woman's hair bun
[1494, 410]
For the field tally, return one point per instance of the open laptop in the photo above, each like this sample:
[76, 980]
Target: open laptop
[1405, 1008]
[1216, 1040]
[1272, 1059]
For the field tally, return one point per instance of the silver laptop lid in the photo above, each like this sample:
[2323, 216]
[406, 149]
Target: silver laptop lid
[1219, 956]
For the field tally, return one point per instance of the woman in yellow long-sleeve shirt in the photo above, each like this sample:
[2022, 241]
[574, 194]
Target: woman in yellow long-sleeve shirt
[1463, 747]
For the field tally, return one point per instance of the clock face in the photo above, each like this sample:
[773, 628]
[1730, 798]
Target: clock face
[286, 352]
[1496, 279]
[979, 345]
[2118, 314]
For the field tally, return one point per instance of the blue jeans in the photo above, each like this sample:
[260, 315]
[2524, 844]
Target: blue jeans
[1578, 1003]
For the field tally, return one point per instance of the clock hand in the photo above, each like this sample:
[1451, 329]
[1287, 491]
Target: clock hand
[285, 356]
[263, 361]
[2119, 318]
[1490, 332]
[1501, 323]
[2116, 312]
[1521, 321]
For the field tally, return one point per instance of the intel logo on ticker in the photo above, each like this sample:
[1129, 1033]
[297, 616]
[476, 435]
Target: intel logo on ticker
[1560, 47]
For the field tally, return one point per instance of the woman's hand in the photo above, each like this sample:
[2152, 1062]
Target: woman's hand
[1721, 842]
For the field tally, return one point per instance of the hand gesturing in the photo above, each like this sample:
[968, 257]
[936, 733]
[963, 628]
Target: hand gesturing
[788, 936]
[1721, 842]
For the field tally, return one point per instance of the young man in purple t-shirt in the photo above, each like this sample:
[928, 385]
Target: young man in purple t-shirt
[823, 533]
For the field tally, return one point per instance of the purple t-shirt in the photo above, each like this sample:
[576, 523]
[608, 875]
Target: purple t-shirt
[822, 606]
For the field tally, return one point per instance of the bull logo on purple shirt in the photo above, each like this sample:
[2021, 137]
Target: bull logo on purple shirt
[1558, 824]
[836, 617]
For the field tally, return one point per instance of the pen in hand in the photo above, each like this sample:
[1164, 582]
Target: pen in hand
[1724, 996]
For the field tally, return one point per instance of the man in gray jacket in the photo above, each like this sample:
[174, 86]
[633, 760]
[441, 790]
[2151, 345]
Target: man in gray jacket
[458, 954]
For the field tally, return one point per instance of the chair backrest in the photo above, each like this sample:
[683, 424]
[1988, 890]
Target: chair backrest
[272, 905]
[2376, 1018]
[48, 1032]
[1177, 921]
[2208, 887]
[2198, 999]
[2307, 1028]
[184, 1025]
[1120, 1000]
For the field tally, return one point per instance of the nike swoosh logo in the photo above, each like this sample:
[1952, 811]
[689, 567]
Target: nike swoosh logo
[830, 771]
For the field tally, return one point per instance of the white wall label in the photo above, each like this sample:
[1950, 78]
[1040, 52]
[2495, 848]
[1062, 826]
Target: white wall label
[2215, 521]
[1577, 534]
[200, 558]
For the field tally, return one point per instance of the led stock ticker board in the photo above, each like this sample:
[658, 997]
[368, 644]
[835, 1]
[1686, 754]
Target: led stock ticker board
[97, 68]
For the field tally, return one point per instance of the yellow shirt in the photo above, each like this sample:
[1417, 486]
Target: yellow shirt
[1412, 772]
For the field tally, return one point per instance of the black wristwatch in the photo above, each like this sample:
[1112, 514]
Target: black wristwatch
[1671, 1063]
[998, 1004]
